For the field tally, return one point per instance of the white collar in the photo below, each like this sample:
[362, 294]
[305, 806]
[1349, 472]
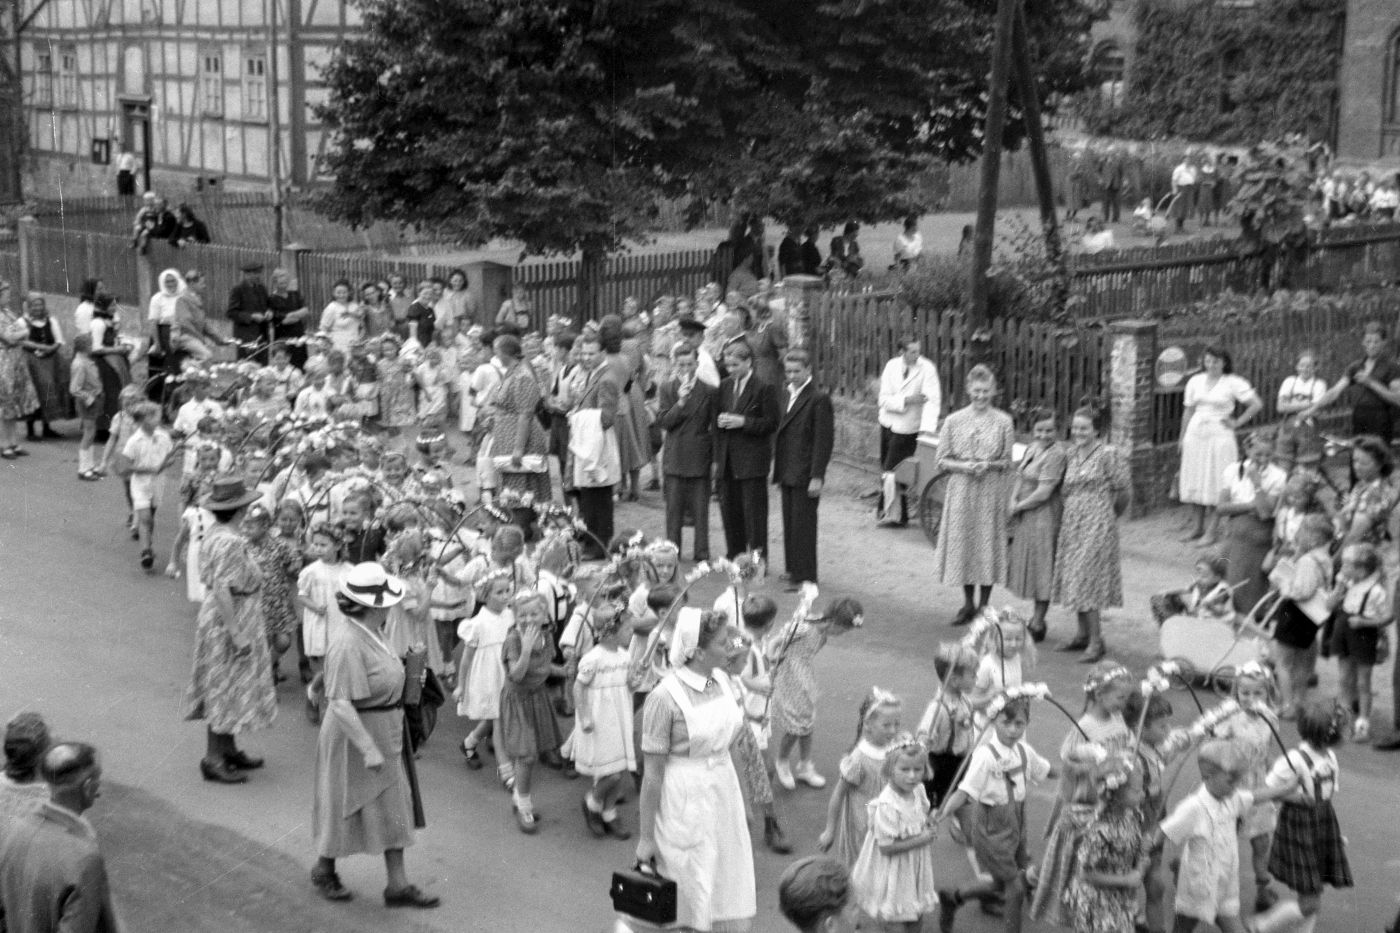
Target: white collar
[871, 750]
[800, 389]
[695, 681]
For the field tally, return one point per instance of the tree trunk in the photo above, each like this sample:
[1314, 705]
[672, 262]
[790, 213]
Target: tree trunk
[991, 165]
[591, 268]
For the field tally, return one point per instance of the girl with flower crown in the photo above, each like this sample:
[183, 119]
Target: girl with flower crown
[1100, 732]
[1109, 867]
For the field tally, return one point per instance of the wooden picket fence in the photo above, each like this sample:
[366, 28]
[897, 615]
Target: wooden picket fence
[852, 337]
[1137, 282]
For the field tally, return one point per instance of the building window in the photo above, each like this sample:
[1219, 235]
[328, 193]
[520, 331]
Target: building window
[43, 78]
[211, 82]
[1108, 70]
[254, 87]
[1392, 80]
[68, 78]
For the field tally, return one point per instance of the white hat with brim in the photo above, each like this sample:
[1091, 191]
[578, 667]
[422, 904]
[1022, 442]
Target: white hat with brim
[370, 585]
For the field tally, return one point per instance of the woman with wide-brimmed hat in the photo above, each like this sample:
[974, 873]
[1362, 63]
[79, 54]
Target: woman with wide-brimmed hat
[366, 797]
[231, 685]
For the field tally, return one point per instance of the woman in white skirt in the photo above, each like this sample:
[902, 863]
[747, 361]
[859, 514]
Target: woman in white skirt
[1208, 443]
[693, 826]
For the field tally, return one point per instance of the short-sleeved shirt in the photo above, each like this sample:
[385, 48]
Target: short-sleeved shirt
[1316, 772]
[992, 763]
[1298, 391]
[1367, 600]
[664, 731]
[148, 452]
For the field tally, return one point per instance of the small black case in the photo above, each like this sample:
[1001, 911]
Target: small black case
[642, 893]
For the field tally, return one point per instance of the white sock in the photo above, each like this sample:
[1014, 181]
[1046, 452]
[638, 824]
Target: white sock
[592, 803]
[609, 814]
[84, 459]
[1281, 917]
[1308, 925]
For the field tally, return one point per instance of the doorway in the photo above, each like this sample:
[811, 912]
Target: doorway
[136, 135]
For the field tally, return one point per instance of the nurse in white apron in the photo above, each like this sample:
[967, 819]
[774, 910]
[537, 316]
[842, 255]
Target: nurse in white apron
[692, 810]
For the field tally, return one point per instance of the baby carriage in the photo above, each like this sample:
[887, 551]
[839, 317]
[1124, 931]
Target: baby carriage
[1158, 222]
[1214, 647]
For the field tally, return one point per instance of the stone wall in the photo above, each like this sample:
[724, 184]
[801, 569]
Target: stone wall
[1371, 24]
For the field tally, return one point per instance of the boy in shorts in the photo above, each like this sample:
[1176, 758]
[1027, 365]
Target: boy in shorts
[150, 450]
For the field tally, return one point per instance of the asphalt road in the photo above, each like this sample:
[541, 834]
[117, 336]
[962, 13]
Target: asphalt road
[102, 650]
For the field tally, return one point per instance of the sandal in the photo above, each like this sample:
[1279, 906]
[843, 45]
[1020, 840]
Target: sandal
[473, 759]
[9, 453]
[88, 476]
[528, 821]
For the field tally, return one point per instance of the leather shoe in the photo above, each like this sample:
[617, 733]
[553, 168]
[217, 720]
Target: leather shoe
[328, 886]
[1093, 654]
[411, 896]
[241, 759]
[615, 829]
[1075, 644]
[220, 773]
[1391, 743]
[594, 821]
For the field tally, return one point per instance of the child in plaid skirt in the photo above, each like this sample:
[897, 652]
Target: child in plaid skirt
[1309, 852]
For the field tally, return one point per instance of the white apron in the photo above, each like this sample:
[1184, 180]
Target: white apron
[702, 836]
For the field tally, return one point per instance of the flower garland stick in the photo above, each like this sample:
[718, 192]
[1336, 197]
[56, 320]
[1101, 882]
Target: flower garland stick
[1155, 682]
[1036, 691]
[808, 596]
[1197, 732]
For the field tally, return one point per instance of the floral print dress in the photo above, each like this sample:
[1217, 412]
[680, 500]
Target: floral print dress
[1088, 572]
[280, 565]
[972, 535]
[1111, 846]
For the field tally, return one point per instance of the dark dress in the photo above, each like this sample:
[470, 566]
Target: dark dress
[48, 373]
[115, 373]
[526, 725]
[281, 306]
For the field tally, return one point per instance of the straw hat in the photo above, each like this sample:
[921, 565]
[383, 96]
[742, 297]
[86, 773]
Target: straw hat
[370, 585]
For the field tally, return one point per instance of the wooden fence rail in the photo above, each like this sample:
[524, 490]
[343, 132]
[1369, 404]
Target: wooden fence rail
[852, 337]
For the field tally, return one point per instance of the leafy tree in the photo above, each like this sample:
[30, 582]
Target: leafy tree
[561, 122]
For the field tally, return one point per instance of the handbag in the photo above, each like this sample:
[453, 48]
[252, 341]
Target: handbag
[642, 893]
[530, 463]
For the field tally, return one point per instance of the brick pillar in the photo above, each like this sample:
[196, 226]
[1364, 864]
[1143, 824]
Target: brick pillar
[799, 291]
[1131, 380]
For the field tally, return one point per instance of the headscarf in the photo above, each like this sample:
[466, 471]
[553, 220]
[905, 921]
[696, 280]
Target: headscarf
[163, 301]
[685, 640]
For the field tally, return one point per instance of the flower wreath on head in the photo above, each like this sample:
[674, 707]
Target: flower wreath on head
[1112, 771]
[659, 547]
[1102, 679]
[1036, 691]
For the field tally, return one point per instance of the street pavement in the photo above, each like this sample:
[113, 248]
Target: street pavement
[103, 651]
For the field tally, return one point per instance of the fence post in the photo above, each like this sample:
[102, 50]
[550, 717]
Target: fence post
[144, 276]
[292, 255]
[24, 229]
[1132, 361]
[799, 292]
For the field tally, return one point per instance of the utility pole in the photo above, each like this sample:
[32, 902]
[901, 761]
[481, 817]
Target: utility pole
[13, 132]
[991, 165]
[274, 129]
[1028, 92]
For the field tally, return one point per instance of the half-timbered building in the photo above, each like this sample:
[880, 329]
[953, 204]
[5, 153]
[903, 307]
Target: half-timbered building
[194, 88]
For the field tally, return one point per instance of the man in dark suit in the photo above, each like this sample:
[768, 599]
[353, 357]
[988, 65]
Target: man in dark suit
[801, 452]
[52, 876]
[248, 310]
[593, 480]
[746, 416]
[687, 414]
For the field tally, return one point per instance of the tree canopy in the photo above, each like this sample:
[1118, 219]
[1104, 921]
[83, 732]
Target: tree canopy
[560, 123]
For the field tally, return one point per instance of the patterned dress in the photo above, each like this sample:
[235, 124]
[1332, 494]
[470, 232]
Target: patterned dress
[232, 693]
[861, 770]
[972, 536]
[1030, 558]
[1088, 573]
[280, 564]
[794, 706]
[1110, 846]
[17, 396]
[518, 394]
[397, 408]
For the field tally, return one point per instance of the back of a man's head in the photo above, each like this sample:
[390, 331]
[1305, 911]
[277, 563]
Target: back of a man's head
[71, 770]
[812, 890]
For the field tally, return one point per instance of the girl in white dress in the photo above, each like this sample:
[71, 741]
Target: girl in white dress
[601, 745]
[1208, 443]
[893, 876]
[482, 673]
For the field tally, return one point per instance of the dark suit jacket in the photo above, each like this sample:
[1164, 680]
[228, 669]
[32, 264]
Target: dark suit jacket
[747, 451]
[245, 300]
[806, 434]
[790, 257]
[689, 426]
[52, 876]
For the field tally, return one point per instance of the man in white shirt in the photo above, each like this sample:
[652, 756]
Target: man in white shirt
[1184, 187]
[910, 400]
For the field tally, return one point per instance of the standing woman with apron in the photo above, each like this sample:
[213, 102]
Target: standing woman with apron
[693, 826]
